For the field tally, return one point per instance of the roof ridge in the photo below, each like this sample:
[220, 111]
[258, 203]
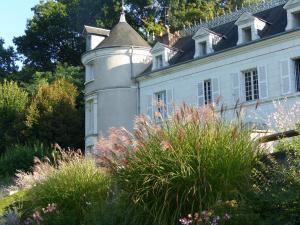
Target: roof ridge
[220, 20]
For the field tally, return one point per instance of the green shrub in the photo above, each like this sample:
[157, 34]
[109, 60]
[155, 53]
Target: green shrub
[13, 102]
[77, 188]
[21, 157]
[52, 116]
[11, 200]
[179, 166]
[276, 188]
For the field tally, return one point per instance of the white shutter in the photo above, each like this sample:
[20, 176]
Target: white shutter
[170, 100]
[149, 99]
[286, 86]
[95, 112]
[262, 82]
[242, 87]
[201, 93]
[235, 82]
[215, 89]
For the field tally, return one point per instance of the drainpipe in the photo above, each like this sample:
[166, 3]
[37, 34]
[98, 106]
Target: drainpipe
[138, 85]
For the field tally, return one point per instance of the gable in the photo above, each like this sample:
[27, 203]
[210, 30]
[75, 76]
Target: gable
[244, 18]
[158, 47]
[201, 32]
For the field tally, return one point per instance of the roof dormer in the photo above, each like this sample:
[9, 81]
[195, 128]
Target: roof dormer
[94, 36]
[161, 55]
[204, 41]
[248, 27]
[292, 8]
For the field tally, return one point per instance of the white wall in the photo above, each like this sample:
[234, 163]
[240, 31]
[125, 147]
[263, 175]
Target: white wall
[113, 88]
[183, 79]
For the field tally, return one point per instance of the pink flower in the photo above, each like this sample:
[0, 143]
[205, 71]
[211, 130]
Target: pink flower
[165, 145]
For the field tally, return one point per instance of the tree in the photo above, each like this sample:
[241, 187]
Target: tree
[13, 102]
[52, 116]
[49, 38]
[8, 59]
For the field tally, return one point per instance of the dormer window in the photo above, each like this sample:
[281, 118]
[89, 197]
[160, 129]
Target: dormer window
[202, 48]
[247, 34]
[204, 41]
[161, 55]
[292, 8]
[296, 18]
[249, 27]
[159, 61]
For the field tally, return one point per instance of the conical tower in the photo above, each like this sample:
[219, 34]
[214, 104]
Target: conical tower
[111, 93]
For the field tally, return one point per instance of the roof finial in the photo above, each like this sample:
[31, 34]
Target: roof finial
[123, 18]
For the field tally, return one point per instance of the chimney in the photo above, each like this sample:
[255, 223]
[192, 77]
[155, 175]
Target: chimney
[168, 38]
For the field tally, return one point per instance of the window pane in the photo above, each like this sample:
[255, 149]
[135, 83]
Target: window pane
[207, 92]
[160, 98]
[251, 85]
[159, 61]
[248, 86]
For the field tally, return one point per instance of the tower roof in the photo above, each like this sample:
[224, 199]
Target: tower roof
[123, 35]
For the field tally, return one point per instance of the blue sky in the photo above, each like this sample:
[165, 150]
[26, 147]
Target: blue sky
[13, 18]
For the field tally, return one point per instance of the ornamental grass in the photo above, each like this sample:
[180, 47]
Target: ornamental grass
[171, 167]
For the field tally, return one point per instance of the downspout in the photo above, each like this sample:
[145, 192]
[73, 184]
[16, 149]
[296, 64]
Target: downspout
[133, 78]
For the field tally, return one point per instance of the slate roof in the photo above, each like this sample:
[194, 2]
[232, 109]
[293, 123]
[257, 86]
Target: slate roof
[276, 19]
[123, 35]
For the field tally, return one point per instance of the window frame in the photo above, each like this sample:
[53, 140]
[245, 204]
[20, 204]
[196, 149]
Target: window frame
[207, 91]
[158, 97]
[247, 34]
[251, 84]
[159, 61]
[296, 64]
[202, 48]
[89, 73]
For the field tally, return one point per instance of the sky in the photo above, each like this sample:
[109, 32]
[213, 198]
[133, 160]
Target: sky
[13, 18]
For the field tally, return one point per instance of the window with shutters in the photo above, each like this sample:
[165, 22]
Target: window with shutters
[251, 85]
[297, 74]
[160, 102]
[207, 92]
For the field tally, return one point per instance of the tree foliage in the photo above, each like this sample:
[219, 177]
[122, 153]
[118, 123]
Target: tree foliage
[52, 116]
[8, 59]
[49, 38]
[13, 102]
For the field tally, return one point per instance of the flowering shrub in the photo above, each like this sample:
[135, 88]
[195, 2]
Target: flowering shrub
[285, 117]
[206, 217]
[12, 217]
[184, 164]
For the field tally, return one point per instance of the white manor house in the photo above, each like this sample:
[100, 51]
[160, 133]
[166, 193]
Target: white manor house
[247, 56]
